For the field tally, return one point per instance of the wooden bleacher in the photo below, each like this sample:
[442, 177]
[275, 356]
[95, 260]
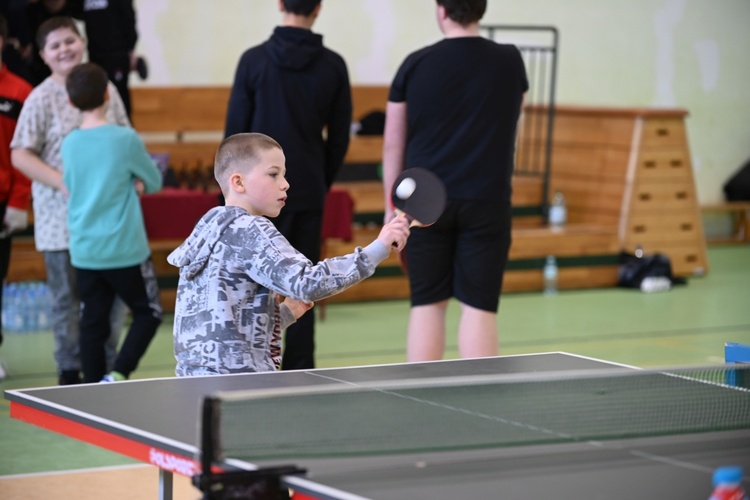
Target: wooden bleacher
[740, 214]
[26, 264]
[593, 158]
[187, 123]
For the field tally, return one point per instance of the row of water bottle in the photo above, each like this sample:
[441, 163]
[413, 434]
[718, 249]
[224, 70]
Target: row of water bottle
[27, 307]
[557, 217]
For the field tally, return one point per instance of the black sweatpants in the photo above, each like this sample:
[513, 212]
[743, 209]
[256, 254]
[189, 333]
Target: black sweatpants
[137, 287]
[303, 230]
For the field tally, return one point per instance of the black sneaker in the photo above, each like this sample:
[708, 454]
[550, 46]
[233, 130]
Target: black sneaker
[69, 377]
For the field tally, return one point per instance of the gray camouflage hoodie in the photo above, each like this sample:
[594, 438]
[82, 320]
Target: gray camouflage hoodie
[232, 268]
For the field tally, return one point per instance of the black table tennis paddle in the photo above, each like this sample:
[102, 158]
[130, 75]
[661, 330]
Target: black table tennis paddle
[419, 195]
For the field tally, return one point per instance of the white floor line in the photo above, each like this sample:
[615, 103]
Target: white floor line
[76, 471]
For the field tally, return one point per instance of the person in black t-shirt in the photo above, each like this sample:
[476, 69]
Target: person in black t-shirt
[453, 108]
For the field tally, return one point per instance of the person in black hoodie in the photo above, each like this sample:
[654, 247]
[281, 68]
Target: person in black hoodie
[112, 34]
[297, 91]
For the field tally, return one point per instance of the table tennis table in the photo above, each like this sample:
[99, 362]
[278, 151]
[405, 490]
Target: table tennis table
[157, 421]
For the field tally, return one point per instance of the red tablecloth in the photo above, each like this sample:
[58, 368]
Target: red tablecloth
[337, 215]
[172, 213]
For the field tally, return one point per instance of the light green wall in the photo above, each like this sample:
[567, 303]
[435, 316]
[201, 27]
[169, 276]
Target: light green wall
[689, 54]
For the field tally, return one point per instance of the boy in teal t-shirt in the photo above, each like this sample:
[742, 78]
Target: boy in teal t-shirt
[104, 168]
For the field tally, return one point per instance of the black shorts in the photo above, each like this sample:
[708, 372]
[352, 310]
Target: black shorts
[462, 255]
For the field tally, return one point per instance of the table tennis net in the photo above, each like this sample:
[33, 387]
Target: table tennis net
[464, 413]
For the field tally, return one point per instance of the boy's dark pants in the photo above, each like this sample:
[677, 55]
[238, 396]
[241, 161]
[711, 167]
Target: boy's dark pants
[303, 230]
[137, 287]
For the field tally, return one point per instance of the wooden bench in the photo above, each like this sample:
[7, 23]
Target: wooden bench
[586, 256]
[187, 123]
[26, 264]
[740, 212]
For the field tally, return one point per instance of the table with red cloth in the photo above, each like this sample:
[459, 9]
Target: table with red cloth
[173, 212]
[338, 215]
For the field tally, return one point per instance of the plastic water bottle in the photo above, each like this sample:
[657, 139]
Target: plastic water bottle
[29, 308]
[37, 307]
[558, 214]
[550, 275]
[10, 307]
[17, 310]
[44, 307]
[727, 483]
[6, 314]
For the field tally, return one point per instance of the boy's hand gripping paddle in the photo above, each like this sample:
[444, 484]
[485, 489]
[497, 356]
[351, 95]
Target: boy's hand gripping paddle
[419, 195]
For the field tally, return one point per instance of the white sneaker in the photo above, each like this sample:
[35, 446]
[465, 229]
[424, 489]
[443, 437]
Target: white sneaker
[113, 377]
[656, 284]
[2, 370]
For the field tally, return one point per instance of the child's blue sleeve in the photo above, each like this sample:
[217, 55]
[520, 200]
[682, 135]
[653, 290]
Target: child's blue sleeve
[144, 167]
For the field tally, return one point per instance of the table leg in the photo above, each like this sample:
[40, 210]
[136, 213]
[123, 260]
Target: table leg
[165, 485]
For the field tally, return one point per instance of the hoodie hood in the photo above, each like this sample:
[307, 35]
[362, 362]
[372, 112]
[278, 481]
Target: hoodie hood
[294, 48]
[193, 255]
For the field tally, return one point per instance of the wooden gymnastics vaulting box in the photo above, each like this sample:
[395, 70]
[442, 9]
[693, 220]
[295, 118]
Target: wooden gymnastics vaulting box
[630, 169]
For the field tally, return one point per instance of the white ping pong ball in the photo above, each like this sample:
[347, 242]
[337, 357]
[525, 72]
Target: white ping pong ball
[406, 188]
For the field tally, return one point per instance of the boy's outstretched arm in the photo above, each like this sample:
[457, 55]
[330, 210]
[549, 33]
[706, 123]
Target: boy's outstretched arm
[293, 275]
[395, 233]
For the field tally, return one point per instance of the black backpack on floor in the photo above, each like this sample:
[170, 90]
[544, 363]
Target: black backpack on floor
[737, 188]
[635, 268]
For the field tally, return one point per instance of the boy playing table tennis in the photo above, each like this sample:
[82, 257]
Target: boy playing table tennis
[236, 266]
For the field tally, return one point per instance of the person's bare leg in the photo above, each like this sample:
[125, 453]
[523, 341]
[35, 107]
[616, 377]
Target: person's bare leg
[477, 333]
[426, 337]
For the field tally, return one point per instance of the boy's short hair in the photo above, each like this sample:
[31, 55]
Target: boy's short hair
[239, 150]
[464, 11]
[53, 24]
[86, 85]
[300, 7]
